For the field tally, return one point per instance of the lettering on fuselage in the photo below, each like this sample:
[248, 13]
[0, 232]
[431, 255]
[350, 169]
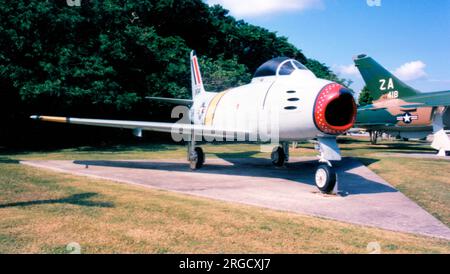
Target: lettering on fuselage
[388, 85]
[201, 111]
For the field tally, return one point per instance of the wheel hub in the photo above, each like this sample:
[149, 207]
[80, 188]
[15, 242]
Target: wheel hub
[321, 178]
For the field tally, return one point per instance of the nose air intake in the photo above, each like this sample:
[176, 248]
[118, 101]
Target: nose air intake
[334, 110]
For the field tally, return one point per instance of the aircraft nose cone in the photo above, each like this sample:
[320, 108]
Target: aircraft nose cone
[335, 109]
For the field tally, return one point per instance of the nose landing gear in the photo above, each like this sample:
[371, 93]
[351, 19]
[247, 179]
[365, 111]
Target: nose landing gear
[325, 178]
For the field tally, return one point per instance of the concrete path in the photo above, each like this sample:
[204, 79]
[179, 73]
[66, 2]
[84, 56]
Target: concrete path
[414, 155]
[364, 198]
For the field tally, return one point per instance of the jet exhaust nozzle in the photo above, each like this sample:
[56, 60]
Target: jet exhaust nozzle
[335, 110]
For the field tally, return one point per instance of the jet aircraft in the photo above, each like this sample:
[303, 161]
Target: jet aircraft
[284, 102]
[400, 110]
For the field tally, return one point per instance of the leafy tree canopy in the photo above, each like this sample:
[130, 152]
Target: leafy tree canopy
[104, 57]
[365, 98]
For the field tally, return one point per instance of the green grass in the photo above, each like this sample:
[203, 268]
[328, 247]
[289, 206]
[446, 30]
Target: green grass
[425, 181]
[42, 211]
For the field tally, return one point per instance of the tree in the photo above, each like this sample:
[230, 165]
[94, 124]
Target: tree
[222, 74]
[101, 59]
[365, 98]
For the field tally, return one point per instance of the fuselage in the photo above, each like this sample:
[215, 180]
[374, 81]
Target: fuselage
[392, 117]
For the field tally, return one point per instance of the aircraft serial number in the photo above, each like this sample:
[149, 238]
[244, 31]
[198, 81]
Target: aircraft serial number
[392, 94]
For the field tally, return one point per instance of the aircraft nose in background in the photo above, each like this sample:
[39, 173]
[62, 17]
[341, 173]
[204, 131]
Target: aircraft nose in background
[335, 109]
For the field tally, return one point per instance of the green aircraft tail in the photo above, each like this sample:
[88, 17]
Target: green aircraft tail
[382, 84]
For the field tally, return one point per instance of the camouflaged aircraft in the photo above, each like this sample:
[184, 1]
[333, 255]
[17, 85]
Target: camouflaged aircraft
[400, 110]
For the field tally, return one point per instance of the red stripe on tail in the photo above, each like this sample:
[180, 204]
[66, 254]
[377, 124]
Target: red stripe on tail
[197, 72]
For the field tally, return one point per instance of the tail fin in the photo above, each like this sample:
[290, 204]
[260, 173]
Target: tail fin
[382, 84]
[196, 76]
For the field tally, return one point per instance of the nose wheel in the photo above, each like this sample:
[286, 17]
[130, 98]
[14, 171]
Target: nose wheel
[325, 178]
[196, 158]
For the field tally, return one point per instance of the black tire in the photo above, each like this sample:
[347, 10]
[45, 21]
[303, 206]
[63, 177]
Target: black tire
[325, 178]
[198, 159]
[278, 156]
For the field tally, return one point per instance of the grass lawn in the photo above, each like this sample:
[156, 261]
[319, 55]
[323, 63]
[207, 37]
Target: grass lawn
[43, 211]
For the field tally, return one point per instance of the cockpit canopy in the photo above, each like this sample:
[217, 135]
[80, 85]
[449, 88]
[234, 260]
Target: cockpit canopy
[278, 66]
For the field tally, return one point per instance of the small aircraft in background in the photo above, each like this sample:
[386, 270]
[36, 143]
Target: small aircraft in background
[400, 110]
[305, 108]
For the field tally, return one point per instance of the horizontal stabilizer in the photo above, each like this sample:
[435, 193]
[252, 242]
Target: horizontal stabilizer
[184, 102]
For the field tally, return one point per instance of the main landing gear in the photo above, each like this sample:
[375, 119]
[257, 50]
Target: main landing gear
[326, 178]
[280, 155]
[196, 156]
[374, 137]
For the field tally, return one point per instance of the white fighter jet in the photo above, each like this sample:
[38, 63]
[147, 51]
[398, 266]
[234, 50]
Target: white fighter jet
[285, 102]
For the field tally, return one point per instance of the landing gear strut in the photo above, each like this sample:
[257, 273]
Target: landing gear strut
[441, 142]
[374, 137]
[196, 156]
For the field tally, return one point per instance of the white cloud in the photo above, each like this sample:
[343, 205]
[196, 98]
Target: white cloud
[411, 71]
[346, 70]
[254, 8]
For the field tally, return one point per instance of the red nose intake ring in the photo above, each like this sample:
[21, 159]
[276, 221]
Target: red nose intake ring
[334, 110]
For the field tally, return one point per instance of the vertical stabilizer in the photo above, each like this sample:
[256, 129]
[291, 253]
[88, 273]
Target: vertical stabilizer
[382, 84]
[196, 76]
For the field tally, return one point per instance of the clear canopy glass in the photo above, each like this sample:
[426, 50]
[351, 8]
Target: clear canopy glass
[278, 66]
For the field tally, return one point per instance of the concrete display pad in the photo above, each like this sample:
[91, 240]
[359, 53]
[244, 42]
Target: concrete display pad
[364, 197]
[415, 155]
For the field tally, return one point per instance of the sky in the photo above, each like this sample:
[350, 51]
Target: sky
[411, 38]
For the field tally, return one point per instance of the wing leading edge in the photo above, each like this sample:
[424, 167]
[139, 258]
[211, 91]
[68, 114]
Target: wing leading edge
[200, 130]
[184, 102]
